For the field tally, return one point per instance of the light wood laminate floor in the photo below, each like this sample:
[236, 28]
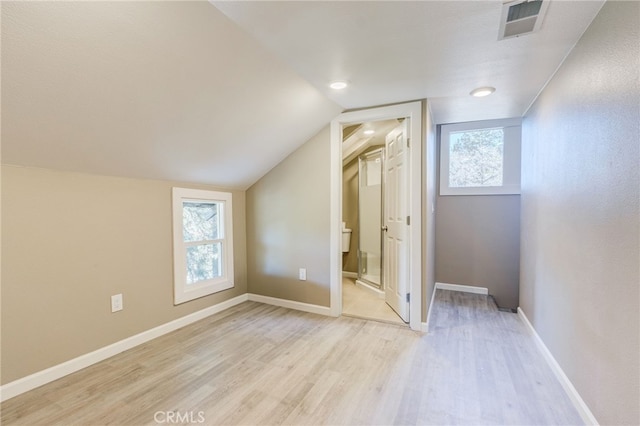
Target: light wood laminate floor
[257, 364]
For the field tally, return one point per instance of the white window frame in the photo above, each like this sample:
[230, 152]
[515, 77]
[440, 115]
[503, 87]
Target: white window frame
[511, 161]
[182, 291]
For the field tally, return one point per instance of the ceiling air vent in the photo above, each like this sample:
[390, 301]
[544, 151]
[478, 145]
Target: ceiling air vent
[521, 17]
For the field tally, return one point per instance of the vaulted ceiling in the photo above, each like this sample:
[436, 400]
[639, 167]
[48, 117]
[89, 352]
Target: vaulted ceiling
[221, 92]
[160, 90]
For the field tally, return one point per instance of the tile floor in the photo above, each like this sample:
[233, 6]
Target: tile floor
[360, 303]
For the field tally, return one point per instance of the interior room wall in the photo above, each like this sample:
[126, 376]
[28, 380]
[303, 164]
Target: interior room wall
[580, 274]
[69, 242]
[478, 243]
[350, 213]
[288, 226]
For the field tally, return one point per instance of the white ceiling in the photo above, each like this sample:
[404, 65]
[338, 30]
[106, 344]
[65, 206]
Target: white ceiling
[397, 51]
[357, 142]
[220, 94]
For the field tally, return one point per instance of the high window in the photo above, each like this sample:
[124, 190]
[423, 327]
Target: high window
[480, 158]
[202, 243]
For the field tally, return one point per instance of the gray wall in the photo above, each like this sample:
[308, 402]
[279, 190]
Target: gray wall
[580, 215]
[478, 243]
[69, 242]
[288, 226]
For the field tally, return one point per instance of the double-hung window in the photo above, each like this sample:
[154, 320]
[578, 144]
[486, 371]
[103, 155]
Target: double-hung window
[480, 158]
[202, 243]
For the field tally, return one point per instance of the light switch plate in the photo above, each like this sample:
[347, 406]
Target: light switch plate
[116, 303]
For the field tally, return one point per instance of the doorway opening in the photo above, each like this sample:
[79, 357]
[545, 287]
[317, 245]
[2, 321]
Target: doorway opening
[364, 263]
[385, 249]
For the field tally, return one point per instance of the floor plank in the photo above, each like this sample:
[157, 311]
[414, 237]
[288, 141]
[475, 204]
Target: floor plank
[260, 364]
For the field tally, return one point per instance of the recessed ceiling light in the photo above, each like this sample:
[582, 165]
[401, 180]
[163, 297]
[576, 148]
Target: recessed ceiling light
[338, 85]
[482, 91]
[369, 132]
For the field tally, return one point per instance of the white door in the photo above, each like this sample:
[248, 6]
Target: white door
[395, 223]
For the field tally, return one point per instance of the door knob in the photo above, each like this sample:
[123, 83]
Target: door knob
[385, 228]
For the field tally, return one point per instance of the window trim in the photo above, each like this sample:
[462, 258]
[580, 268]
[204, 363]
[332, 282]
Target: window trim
[511, 159]
[183, 292]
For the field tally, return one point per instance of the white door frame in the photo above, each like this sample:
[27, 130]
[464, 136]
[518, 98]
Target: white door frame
[413, 110]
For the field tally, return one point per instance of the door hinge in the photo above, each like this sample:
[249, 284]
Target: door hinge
[408, 142]
[408, 220]
[408, 297]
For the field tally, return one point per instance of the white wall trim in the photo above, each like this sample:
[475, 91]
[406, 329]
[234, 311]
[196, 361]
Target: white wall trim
[182, 291]
[576, 399]
[425, 325]
[460, 287]
[347, 274]
[43, 377]
[511, 157]
[292, 304]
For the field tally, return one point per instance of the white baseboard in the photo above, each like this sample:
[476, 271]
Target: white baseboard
[425, 326]
[576, 399]
[291, 304]
[348, 274]
[463, 288]
[43, 377]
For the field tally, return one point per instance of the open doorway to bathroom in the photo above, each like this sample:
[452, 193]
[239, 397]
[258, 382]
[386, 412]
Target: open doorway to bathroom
[402, 266]
[364, 229]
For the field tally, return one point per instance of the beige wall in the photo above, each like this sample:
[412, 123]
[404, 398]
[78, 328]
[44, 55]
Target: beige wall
[69, 242]
[580, 280]
[350, 212]
[288, 226]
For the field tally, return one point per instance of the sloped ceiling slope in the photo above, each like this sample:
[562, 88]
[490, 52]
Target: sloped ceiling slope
[394, 51]
[159, 90]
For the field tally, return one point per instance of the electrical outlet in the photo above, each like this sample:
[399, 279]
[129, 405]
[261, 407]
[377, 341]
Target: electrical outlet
[302, 274]
[116, 303]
